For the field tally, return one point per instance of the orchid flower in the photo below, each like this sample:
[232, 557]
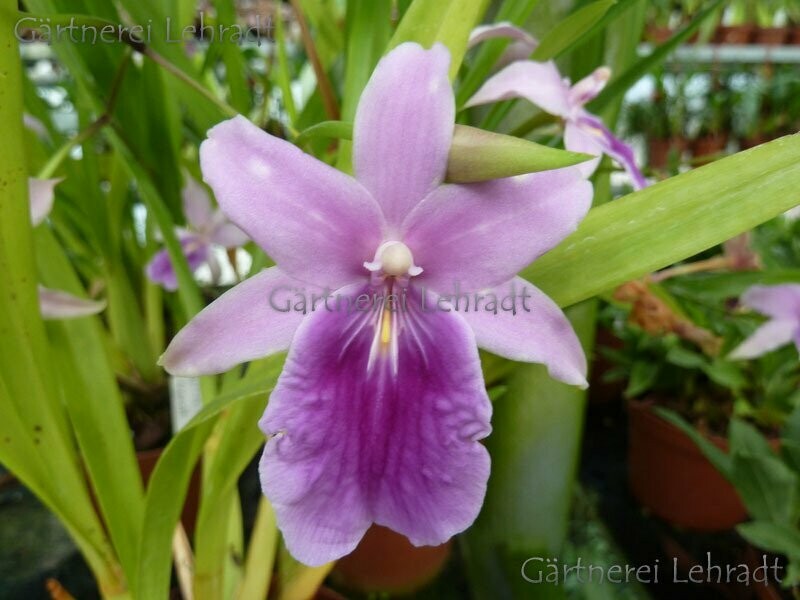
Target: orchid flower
[378, 413]
[209, 228]
[521, 47]
[782, 304]
[55, 304]
[543, 85]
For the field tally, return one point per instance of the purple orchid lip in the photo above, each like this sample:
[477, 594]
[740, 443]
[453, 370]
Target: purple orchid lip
[378, 414]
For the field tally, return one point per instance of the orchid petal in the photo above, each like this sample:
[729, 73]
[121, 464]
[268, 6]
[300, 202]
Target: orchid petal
[777, 301]
[249, 321]
[353, 444]
[42, 194]
[318, 224]
[403, 128]
[229, 235]
[55, 304]
[160, 270]
[196, 204]
[577, 139]
[534, 330]
[770, 336]
[476, 235]
[608, 143]
[539, 83]
[589, 87]
[522, 46]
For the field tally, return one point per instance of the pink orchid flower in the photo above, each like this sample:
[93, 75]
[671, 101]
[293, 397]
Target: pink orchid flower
[208, 228]
[782, 304]
[55, 304]
[543, 85]
[381, 406]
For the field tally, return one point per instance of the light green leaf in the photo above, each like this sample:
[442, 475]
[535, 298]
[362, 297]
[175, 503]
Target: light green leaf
[571, 29]
[170, 479]
[671, 221]
[445, 21]
[772, 537]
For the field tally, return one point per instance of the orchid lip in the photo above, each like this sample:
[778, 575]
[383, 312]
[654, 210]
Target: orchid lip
[393, 259]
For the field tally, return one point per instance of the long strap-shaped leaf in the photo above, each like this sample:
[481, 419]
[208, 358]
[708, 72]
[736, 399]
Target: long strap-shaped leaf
[671, 221]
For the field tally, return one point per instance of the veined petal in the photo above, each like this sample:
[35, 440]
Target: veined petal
[528, 327]
[160, 270]
[42, 193]
[478, 235]
[404, 127]
[593, 127]
[539, 83]
[55, 304]
[256, 318]
[522, 46]
[196, 204]
[356, 441]
[318, 224]
[770, 336]
[777, 301]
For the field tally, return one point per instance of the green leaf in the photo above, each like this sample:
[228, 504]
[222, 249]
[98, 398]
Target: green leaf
[326, 129]
[170, 479]
[671, 221]
[790, 440]
[447, 21]
[722, 462]
[772, 537]
[480, 155]
[681, 357]
[260, 554]
[368, 30]
[643, 375]
[96, 408]
[235, 441]
[725, 373]
[767, 487]
[571, 29]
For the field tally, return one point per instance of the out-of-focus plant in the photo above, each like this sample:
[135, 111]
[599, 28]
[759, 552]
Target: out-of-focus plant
[768, 482]
[140, 111]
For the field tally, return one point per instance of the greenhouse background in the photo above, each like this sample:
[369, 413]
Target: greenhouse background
[128, 471]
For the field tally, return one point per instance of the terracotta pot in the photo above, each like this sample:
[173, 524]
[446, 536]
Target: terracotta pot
[736, 34]
[147, 460]
[670, 477]
[658, 34]
[658, 151]
[794, 35]
[753, 141]
[771, 36]
[709, 145]
[385, 561]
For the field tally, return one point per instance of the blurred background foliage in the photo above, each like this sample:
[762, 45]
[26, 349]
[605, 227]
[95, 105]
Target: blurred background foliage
[91, 415]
